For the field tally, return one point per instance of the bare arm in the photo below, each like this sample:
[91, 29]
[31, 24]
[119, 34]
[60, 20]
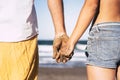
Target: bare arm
[61, 38]
[86, 15]
[56, 10]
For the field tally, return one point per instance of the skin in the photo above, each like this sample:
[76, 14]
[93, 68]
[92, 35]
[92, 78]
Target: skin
[90, 7]
[118, 73]
[56, 11]
[109, 11]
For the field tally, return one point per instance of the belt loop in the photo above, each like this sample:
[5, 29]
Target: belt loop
[97, 28]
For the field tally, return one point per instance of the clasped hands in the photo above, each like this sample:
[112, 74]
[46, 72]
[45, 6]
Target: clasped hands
[62, 49]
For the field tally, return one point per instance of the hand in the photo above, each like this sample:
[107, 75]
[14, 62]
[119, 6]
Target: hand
[66, 51]
[57, 44]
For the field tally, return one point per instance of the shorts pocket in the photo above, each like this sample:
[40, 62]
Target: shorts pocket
[91, 45]
[107, 48]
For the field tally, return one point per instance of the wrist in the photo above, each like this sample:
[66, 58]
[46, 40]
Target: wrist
[72, 41]
[57, 35]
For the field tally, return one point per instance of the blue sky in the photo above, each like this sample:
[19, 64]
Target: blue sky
[45, 24]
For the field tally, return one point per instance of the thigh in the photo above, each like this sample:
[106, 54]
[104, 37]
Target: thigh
[99, 73]
[118, 73]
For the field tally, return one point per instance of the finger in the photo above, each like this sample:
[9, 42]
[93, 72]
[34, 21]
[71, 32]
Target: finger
[69, 53]
[64, 60]
[61, 58]
[69, 57]
[57, 56]
[56, 46]
[54, 52]
[58, 60]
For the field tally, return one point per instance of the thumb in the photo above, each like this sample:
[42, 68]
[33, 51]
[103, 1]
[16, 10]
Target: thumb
[56, 46]
[69, 52]
[54, 52]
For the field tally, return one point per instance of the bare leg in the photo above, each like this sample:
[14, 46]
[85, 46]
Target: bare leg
[97, 73]
[118, 73]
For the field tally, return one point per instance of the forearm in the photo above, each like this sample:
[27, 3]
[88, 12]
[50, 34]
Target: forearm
[86, 15]
[56, 10]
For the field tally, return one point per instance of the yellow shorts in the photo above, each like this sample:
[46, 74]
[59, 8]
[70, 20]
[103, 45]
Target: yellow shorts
[19, 60]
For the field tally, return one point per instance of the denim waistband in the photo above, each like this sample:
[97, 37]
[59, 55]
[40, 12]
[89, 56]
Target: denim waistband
[108, 24]
[113, 26]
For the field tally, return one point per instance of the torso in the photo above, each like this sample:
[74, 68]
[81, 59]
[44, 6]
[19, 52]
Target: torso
[109, 11]
[18, 20]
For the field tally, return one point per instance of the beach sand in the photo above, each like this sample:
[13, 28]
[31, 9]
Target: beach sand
[78, 73]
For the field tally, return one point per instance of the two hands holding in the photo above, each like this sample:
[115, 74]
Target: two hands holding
[62, 49]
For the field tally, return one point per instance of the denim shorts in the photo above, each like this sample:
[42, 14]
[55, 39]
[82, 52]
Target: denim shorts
[103, 45]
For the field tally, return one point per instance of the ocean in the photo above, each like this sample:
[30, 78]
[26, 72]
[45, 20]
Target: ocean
[46, 51]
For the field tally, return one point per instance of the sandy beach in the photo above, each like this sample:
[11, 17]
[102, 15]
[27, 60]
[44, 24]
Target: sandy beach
[72, 70]
[78, 73]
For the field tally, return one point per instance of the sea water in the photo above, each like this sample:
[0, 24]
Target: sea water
[46, 52]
